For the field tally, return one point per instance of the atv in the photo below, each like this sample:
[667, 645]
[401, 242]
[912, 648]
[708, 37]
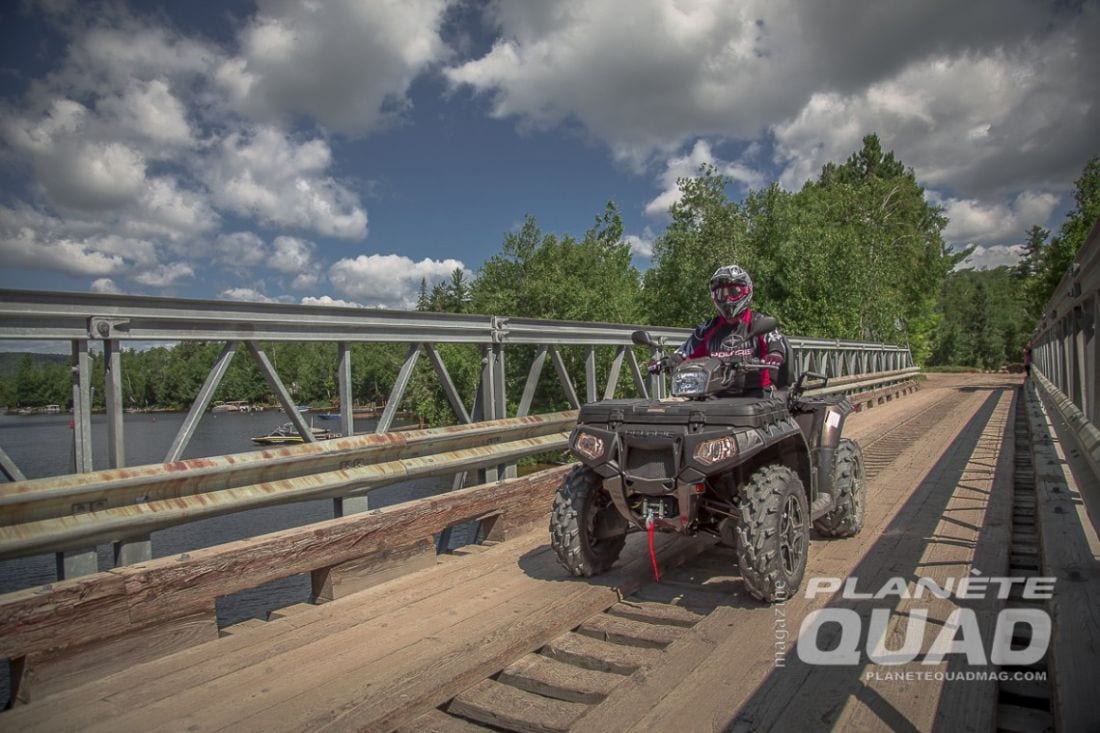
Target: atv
[753, 471]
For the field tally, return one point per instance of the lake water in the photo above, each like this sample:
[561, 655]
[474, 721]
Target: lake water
[41, 445]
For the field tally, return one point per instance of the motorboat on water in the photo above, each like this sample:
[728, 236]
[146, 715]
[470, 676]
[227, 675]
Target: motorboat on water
[287, 434]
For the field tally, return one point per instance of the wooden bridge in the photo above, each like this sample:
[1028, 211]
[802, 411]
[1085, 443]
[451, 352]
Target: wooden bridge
[969, 474]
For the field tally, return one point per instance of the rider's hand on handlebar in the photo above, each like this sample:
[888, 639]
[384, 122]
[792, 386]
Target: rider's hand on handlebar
[664, 363]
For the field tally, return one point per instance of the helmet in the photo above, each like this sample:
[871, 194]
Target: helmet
[731, 290]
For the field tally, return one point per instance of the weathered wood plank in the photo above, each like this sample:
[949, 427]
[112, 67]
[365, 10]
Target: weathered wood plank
[552, 678]
[630, 632]
[168, 585]
[440, 587]
[514, 709]
[604, 656]
[655, 613]
[103, 605]
[437, 721]
[337, 581]
[45, 673]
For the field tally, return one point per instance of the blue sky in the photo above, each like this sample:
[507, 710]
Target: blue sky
[340, 151]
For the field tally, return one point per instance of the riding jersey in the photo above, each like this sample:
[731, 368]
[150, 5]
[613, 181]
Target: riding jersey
[719, 336]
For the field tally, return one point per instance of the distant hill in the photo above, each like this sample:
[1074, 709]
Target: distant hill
[10, 361]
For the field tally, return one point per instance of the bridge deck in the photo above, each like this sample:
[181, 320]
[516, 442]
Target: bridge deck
[478, 636]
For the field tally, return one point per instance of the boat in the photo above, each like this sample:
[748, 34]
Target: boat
[287, 434]
[234, 406]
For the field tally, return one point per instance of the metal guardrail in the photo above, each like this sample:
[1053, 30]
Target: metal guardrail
[70, 512]
[1065, 350]
[115, 320]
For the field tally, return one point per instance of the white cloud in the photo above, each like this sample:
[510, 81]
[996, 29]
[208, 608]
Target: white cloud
[150, 110]
[240, 250]
[687, 166]
[641, 245]
[348, 65]
[987, 258]
[291, 254]
[165, 275]
[105, 285]
[246, 295]
[261, 172]
[328, 300]
[971, 221]
[388, 281]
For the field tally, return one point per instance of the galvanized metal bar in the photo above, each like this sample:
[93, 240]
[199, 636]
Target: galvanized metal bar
[82, 408]
[59, 534]
[449, 389]
[134, 550]
[488, 401]
[563, 377]
[533, 375]
[613, 373]
[281, 392]
[500, 411]
[591, 388]
[399, 386]
[636, 373]
[112, 378]
[343, 378]
[198, 407]
[9, 469]
[74, 563]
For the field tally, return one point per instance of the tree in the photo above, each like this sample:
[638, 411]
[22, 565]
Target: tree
[1059, 254]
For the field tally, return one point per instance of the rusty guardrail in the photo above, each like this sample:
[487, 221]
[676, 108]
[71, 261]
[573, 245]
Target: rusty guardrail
[74, 511]
[79, 510]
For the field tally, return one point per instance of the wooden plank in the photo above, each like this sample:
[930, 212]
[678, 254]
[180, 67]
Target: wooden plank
[655, 613]
[47, 673]
[169, 676]
[167, 585]
[604, 656]
[73, 611]
[288, 611]
[438, 721]
[552, 678]
[243, 627]
[1065, 486]
[630, 632]
[337, 581]
[104, 604]
[513, 709]
[386, 693]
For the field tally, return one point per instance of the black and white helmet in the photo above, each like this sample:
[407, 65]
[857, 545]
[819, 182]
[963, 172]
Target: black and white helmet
[731, 290]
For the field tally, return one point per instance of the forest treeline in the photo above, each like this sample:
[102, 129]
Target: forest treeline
[857, 254]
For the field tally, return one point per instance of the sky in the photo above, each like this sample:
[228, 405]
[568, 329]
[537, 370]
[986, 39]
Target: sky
[339, 152]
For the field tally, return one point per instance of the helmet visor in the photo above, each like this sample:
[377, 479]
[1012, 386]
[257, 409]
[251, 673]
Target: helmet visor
[728, 293]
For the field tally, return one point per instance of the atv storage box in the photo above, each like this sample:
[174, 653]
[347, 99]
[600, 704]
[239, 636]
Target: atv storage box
[731, 413]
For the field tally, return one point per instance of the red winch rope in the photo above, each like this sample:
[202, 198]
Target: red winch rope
[649, 525]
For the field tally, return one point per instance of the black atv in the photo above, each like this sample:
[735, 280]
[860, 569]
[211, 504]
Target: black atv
[754, 471]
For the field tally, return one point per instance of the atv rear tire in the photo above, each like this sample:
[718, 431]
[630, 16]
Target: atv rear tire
[578, 507]
[773, 533]
[846, 519]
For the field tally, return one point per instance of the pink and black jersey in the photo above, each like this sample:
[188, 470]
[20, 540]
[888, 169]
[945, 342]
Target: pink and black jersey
[718, 336]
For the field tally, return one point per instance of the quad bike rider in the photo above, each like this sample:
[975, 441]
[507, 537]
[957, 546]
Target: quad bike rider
[733, 453]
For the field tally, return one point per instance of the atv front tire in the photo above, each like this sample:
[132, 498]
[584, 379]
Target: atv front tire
[579, 507]
[773, 533]
[846, 519]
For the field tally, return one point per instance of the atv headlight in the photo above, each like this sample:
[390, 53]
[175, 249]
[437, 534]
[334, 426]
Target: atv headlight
[588, 445]
[715, 451]
[689, 382]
